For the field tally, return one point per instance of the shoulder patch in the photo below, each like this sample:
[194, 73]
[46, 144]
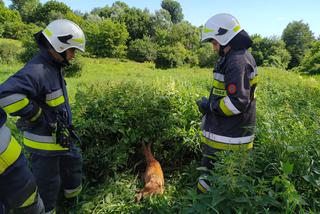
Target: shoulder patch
[232, 88]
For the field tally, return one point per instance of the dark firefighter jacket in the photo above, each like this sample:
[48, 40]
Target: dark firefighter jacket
[231, 120]
[38, 84]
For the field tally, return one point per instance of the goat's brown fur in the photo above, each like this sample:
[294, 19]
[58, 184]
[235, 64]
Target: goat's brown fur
[153, 178]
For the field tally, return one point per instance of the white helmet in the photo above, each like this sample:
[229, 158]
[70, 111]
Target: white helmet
[63, 34]
[221, 27]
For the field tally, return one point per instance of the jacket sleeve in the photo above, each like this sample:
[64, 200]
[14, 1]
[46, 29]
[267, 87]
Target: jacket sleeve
[237, 84]
[17, 94]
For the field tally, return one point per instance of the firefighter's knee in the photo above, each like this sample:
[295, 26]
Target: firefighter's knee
[36, 207]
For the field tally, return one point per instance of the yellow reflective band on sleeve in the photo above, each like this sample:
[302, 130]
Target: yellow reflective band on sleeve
[16, 106]
[254, 81]
[72, 193]
[30, 200]
[55, 102]
[236, 28]
[225, 146]
[224, 108]
[43, 146]
[10, 155]
[219, 85]
[219, 92]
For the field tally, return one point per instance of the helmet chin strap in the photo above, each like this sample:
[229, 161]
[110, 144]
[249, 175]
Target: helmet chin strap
[221, 50]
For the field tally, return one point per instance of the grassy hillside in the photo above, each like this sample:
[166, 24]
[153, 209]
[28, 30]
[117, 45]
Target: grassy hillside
[116, 104]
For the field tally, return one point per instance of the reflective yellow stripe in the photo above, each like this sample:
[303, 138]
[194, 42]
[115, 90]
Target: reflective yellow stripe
[224, 108]
[219, 85]
[254, 81]
[47, 32]
[55, 102]
[79, 40]
[34, 118]
[10, 155]
[224, 146]
[236, 28]
[43, 146]
[30, 200]
[72, 193]
[201, 188]
[219, 92]
[16, 106]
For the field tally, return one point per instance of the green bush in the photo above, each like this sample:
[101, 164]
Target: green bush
[74, 69]
[9, 51]
[142, 50]
[170, 56]
[113, 119]
[106, 38]
[206, 56]
[30, 49]
[311, 61]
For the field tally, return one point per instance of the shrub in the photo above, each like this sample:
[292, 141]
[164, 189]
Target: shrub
[106, 38]
[170, 56]
[206, 56]
[74, 69]
[9, 51]
[311, 61]
[142, 50]
[114, 118]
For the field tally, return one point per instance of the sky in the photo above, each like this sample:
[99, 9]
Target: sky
[264, 17]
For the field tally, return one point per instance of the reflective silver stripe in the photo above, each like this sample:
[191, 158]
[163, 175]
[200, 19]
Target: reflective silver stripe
[51, 212]
[54, 95]
[228, 140]
[5, 137]
[13, 98]
[204, 184]
[254, 73]
[38, 138]
[219, 77]
[230, 105]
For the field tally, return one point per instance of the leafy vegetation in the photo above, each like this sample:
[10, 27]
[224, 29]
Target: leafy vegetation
[117, 104]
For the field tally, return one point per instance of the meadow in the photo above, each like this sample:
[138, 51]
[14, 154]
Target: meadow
[118, 103]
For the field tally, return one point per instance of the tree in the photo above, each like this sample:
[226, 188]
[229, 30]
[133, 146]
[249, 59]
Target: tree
[311, 61]
[269, 52]
[142, 50]
[106, 38]
[50, 11]
[297, 37]
[26, 8]
[174, 8]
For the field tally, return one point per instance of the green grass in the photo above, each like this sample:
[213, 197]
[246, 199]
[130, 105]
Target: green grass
[281, 175]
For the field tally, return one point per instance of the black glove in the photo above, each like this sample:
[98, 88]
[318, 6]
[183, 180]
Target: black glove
[204, 105]
[26, 123]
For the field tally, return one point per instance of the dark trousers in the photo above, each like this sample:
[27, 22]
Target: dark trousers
[55, 172]
[17, 184]
[207, 161]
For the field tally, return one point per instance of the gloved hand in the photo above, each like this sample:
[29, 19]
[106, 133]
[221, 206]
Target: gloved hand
[24, 124]
[32, 120]
[203, 105]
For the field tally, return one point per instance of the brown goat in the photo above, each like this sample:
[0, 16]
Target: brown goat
[153, 178]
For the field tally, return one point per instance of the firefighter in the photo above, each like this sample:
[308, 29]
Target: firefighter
[18, 189]
[229, 113]
[37, 94]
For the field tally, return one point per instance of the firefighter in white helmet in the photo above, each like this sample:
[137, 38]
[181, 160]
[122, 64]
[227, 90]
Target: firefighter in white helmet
[37, 94]
[229, 113]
